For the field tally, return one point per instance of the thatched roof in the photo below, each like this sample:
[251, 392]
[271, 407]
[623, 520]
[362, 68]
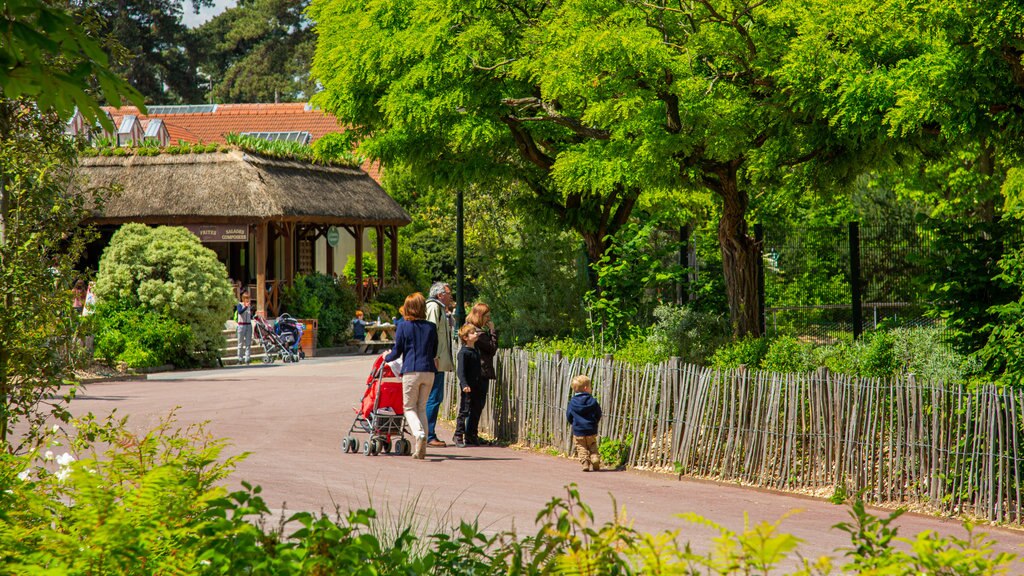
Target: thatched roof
[235, 187]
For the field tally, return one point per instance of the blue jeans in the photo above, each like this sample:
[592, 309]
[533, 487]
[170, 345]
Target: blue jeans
[434, 404]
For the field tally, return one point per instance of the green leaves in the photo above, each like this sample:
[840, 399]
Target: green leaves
[47, 56]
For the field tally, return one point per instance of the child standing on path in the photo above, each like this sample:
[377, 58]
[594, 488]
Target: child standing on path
[469, 379]
[243, 329]
[583, 414]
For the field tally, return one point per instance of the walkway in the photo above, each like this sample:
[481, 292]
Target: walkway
[291, 417]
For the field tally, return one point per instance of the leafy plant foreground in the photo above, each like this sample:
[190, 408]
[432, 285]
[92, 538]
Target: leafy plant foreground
[115, 502]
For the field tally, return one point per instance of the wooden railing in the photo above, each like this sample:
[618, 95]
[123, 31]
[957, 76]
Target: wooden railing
[946, 447]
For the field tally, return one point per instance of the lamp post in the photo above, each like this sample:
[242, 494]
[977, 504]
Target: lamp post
[460, 270]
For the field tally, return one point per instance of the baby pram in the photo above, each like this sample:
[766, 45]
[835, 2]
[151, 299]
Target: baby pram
[273, 346]
[379, 415]
[289, 331]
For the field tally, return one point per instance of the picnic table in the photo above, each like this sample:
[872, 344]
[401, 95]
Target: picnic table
[378, 336]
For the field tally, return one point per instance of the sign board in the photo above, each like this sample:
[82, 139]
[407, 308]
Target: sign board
[220, 232]
[333, 236]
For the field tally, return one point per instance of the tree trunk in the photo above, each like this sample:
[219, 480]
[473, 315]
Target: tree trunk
[740, 256]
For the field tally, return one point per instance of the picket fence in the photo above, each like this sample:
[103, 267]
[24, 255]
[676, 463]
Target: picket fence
[943, 447]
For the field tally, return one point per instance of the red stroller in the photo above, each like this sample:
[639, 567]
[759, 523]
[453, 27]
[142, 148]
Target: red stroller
[379, 415]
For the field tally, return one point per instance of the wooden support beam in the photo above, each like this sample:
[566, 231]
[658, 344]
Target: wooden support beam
[380, 255]
[261, 268]
[289, 252]
[394, 253]
[359, 262]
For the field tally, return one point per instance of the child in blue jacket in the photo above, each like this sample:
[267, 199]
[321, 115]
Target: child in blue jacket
[583, 414]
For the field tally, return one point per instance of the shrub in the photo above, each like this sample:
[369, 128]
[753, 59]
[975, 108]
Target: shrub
[747, 352]
[139, 338]
[324, 298]
[167, 270]
[690, 334]
[787, 354]
[614, 453]
[369, 267]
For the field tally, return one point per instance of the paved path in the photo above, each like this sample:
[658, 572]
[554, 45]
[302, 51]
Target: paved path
[291, 417]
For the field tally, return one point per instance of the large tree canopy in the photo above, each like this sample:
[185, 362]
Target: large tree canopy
[149, 45]
[590, 102]
[258, 51]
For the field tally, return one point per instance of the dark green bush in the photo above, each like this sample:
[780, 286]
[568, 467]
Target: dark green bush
[747, 352]
[321, 297]
[140, 338]
[690, 334]
[787, 354]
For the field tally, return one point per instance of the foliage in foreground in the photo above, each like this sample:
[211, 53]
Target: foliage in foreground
[153, 503]
[167, 271]
[40, 244]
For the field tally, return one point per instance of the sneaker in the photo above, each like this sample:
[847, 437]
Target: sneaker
[459, 442]
[421, 448]
[595, 461]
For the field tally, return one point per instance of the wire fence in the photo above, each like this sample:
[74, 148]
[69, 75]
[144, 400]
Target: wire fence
[952, 449]
[834, 282]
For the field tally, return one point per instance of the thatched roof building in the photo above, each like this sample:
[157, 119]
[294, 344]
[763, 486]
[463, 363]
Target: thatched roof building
[235, 187]
[286, 213]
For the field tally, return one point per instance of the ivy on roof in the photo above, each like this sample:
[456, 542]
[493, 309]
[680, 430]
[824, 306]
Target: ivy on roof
[332, 149]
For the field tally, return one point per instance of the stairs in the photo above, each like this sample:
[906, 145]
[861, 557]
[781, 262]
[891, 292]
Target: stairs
[229, 355]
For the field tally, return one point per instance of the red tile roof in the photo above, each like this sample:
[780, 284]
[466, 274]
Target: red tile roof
[209, 127]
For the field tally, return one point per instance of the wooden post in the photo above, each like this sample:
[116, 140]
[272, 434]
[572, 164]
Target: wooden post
[289, 252]
[394, 252]
[380, 255]
[359, 263]
[261, 269]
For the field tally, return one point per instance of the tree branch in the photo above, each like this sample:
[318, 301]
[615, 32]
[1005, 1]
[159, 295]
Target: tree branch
[492, 68]
[526, 145]
[555, 117]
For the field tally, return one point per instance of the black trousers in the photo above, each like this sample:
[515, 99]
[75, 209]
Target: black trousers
[465, 412]
[478, 399]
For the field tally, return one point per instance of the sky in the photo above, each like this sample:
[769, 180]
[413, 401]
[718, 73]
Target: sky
[191, 19]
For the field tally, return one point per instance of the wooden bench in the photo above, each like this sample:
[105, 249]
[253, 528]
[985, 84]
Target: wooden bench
[378, 337]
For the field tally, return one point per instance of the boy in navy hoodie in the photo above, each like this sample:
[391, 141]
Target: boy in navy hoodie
[583, 414]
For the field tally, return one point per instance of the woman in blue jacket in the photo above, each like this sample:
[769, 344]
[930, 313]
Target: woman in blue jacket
[416, 345]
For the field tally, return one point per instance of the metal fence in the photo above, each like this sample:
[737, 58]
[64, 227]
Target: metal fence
[948, 448]
[827, 283]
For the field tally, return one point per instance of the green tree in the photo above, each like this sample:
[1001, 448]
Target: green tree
[591, 103]
[149, 46]
[49, 66]
[168, 270]
[40, 243]
[48, 57]
[258, 51]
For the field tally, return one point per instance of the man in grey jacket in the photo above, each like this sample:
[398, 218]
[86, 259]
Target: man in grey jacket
[439, 298]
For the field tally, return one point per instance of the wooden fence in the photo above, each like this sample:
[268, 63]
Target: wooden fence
[952, 449]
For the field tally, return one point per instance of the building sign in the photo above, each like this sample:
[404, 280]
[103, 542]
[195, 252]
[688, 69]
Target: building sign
[221, 232]
[333, 236]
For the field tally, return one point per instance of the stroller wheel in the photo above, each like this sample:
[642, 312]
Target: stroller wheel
[366, 447]
[353, 445]
[344, 444]
[267, 359]
[399, 447]
[385, 446]
[375, 447]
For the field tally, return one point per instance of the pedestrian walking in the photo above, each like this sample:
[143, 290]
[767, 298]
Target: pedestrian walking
[468, 368]
[437, 314]
[584, 414]
[416, 345]
[243, 328]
